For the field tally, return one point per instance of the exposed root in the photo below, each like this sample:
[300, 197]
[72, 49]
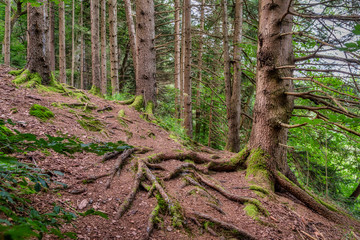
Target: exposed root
[111, 155]
[155, 166]
[152, 221]
[181, 169]
[119, 162]
[217, 208]
[94, 178]
[239, 233]
[131, 196]
[127, 102]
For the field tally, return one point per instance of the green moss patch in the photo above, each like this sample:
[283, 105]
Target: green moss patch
[260, 191]
[90, 123]
[138, 103]
[257, 169]
[252, 211]
[41, 112]
[16, 72]
[5, 132]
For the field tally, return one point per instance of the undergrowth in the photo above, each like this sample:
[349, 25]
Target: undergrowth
[18, 180]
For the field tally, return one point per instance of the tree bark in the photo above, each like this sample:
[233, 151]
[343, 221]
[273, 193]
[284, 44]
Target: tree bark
[62, 50]
[272, 106]
[177, 57]
[7, 33]
[103, 48]
[356, 193]
[199, 80]
[132, 35]
[187, 71]
[73, 45]
[145, 37]
[51, 36]
[95, 62]
[114, 55]
[234, 90]
[38, 61]
[82, 46]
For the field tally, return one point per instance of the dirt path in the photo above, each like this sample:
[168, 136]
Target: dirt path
[287, 220]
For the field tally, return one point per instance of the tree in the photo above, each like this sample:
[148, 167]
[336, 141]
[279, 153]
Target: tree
[187, 70]
[7, 33]
[114, 55]
[146, 54]
[62, 47]
[103, 48]
[95, 60]
[52, 36]
[177, 58]
[82, 46]
[73, 45]
[132, 36]
[38, 61]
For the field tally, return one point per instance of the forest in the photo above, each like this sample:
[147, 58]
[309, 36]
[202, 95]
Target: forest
[180, 119]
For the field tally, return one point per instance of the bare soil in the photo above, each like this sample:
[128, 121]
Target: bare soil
[288, 218]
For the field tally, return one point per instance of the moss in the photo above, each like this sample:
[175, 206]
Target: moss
[259, 189]
[177, 218]
[149, 111]
[41, 112]
[90, 123]
[13, 110]
[121, 113]
[208, 224]
[16, 72]
[29, 80]
[138, 103]
[257, 169]
[252, 211]
[95, 91]
[129, 101]
[5, 132]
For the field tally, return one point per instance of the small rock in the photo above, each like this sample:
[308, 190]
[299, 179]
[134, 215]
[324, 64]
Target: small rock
[83, 204]
[169, 228]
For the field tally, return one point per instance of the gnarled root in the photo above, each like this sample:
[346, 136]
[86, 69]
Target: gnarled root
[239, 233]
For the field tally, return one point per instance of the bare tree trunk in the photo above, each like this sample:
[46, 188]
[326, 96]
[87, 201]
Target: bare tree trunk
[234, 90]
[95, 61]
[187, 71]
[182, 65]
[114, 55]
[103, 48]
[28, 5]
[356, 193]
[37, 47]
[62, 50]
[73, 45]
[145, 37]
[51, 36]
[198, 88]
[177, 58]
[82, 46]
[272, 107]
[210, 119]
[132, 36]
[7, 33]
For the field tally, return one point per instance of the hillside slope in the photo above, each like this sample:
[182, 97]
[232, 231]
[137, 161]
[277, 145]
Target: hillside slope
[288, 219]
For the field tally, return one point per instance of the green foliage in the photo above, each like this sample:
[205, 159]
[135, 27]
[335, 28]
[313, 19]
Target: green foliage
[19, 220]
[41, 112]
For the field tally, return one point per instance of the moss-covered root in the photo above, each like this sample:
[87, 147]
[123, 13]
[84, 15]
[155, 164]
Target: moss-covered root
[235, 162]
[41, 112]
[153, 220]
[128, 101]
[28, 79]
[95, 91]
[131, 196]
[257, 170]
[235, 231]
[138, 103]
[149, 112]
[311, 202]
[16, 72]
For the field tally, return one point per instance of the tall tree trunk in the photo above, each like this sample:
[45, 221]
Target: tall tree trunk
[103, 48]
[132, 36]
[7, 33]
[187, 71]
[182, 65]
[82, 46]
[211, 119]
[273, 107]
[114, 55]
[51, 36]
[145, 37]
[234, 90]
[95, 61]
[177, 57]
[38, 61]
[356, 193]
[199, 80]
[62, 50]
[73, 45]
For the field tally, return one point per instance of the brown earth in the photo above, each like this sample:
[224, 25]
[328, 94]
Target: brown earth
[288, 219]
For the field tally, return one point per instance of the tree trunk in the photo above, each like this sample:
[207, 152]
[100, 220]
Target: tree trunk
[62, 50]
[177, 58]
[356, 193]
[114, 56]
[187, 71]
[103, 48]
[51, 36]
[132, 35]
[145, 37]
[73, 45]
[234, 101]
[199, 80]
[273, 107]
[38, 61]
[82, 46]
[95, 62]
[182, 65]
[7, 33]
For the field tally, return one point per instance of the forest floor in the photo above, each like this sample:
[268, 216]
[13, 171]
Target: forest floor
[288, 219]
